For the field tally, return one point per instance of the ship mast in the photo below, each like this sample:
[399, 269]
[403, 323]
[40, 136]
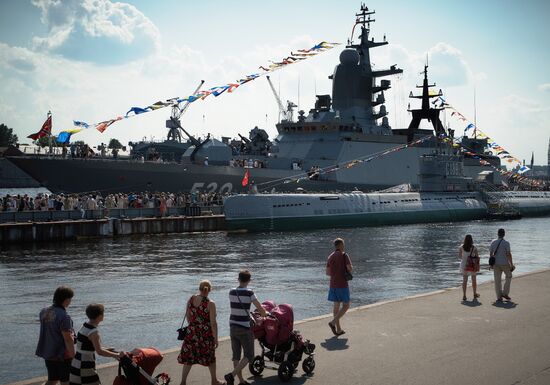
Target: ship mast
[425, 112]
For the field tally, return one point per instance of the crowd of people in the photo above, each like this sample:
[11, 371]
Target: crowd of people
[94, 201]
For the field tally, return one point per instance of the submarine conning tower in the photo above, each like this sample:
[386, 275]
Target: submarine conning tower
[355, 93]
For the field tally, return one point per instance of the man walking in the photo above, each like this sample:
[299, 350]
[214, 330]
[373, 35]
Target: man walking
[337, 264]
[500, 249]
[242, 337]
[56, 340]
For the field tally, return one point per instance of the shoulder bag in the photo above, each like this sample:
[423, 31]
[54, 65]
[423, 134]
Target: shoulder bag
[347, 275]
[182, 331]
[492, 258]
[252, 320]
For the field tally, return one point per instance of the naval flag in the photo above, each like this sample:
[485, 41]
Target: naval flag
[45, 130]
[244, 182]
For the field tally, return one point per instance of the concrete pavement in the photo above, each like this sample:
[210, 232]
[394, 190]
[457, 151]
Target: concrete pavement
[427, 339]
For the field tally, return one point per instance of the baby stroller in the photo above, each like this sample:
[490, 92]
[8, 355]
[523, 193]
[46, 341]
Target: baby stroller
[138, 367]
[281, 345]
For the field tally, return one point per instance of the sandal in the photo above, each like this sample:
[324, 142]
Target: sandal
[464, 298]
[333, 328]
[476, 295]
[340, 333]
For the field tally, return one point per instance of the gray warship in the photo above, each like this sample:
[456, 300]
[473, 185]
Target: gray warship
[349, 124]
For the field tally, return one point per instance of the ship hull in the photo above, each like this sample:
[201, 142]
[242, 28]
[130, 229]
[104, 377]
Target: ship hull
[353, 220]
[115, 176]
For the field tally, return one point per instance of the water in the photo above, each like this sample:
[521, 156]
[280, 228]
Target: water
[144, 281]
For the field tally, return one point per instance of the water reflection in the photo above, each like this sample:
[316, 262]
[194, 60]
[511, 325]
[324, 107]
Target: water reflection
[144, 281]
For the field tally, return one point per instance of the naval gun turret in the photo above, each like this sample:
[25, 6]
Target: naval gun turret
[257, 143]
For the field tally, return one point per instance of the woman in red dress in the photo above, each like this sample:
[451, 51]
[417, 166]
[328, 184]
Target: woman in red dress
[200, 343]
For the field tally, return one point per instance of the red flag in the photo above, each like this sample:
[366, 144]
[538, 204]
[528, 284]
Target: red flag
[245, 178]
[45, 130]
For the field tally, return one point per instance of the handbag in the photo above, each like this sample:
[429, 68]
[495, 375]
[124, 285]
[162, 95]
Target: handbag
[347, 275]
[492, 258]
[183, 331]
[472, 262]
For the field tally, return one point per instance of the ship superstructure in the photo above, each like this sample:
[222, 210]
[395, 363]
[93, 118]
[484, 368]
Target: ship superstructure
[347, 125]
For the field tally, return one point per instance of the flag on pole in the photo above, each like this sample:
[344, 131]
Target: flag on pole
[244, 182]
[45, 130]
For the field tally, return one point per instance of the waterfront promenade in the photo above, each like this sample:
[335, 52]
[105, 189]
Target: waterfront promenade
[425, 339]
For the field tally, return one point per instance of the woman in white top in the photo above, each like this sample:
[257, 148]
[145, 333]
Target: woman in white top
[467, 250]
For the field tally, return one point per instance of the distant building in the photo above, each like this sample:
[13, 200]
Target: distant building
[540, 171]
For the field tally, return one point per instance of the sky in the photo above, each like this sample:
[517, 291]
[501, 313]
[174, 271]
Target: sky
[91, 60]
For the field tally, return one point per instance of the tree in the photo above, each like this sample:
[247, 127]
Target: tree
[45, 141]
[114, 144]
[7, 137]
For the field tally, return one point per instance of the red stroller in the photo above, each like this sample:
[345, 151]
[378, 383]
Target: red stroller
[138, 367]
[281, 345]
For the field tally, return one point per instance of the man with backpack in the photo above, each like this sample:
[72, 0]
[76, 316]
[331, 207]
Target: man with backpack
[500, 250]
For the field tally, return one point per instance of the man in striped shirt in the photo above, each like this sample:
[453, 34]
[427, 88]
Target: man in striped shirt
[242, 337]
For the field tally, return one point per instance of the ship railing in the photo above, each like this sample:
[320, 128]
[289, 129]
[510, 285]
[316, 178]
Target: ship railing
[145, 212]
[498, 201]
[120, 158]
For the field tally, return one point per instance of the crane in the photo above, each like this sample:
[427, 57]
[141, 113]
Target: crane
[178, 109]
[286, 114]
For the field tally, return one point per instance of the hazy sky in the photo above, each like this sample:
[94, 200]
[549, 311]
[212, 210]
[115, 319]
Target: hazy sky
[93, 60]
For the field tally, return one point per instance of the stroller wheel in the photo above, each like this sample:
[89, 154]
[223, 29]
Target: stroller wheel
[285, 372]
[257, 366]
[308, 365]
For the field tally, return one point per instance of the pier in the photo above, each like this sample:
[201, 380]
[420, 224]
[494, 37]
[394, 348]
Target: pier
[74, 224]
[425, 339]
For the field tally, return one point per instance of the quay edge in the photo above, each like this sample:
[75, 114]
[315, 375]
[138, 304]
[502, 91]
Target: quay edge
[108, 227]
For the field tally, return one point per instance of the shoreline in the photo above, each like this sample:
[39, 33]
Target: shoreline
[106, 369]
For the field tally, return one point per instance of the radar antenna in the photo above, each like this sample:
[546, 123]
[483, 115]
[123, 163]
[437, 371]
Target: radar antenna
[363, 18]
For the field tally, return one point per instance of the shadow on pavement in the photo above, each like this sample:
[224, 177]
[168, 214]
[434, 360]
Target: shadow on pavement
[335, 343]
[268, 378]
[505, 305]
[472, 303]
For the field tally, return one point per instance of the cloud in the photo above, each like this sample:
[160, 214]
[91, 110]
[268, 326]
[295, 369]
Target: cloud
[96, 31]
[520, 125]
[545, 87]
[447, 65]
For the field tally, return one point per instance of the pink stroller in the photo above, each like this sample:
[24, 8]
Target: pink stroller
[281, 345]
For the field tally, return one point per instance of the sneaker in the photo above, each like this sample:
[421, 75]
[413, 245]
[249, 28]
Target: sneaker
[229, 378]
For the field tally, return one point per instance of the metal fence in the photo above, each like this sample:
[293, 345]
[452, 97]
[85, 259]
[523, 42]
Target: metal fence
[48, 216]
